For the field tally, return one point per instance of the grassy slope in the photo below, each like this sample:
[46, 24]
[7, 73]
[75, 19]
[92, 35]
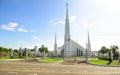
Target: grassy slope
[101, 62]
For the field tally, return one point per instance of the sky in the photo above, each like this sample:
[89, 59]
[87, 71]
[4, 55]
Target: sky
[28, 23]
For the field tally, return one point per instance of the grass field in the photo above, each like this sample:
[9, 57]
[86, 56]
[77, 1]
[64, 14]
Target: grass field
[102, 62]
[9, 58]
[51, 60]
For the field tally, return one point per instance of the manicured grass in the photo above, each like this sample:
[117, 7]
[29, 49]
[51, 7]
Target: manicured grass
[7, 58]
[4, 58]
[50, 60]
[102, 62]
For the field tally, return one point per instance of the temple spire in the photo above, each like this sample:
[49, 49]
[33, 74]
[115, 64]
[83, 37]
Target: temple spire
[67, 30]
[67, 34]
[55, 46]
[88, 37]
[89, 45]
[66, 9]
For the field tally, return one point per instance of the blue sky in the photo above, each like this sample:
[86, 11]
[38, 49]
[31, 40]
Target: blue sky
[35, 22]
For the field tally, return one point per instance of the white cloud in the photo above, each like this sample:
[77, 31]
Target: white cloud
[59, 22]
[72, 19]
[62, 21]
[22, 30]
[36, 38]
[11, 26]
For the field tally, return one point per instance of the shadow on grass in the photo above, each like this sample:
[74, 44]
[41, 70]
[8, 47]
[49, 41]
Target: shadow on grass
[109, 62]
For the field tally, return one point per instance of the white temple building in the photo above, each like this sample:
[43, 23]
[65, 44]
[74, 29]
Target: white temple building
[71, 48]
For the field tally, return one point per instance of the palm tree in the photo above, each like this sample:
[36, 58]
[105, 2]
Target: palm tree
[42, 48]
[115, 52]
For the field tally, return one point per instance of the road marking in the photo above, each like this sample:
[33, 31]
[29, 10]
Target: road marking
[13, 72]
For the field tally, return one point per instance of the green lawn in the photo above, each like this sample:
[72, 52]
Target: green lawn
[7, 58]
[51, 60]
[4, 58]
[102, 62]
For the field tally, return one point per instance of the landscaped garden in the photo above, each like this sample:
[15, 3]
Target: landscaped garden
[107, 56]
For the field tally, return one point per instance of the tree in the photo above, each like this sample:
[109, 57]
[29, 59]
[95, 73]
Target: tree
[1, 49]
[32, 50]
[104, 50]
[4, 52]
[42, 48]
[16, 53]
[24, 51]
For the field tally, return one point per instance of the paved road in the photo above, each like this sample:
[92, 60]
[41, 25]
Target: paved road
[63, 68]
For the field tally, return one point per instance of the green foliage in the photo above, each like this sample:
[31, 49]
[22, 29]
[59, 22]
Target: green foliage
[32, 50]
[6, 53]
[104, 50]
[106, 53]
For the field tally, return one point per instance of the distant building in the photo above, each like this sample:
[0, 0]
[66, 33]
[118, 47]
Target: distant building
[20, 51]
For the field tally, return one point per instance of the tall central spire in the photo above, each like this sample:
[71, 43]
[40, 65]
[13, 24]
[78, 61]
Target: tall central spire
[89, 45]
[66, 10]
[67, 51]
[67, 31]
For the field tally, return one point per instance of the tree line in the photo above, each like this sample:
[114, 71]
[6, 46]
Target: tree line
[7, 52]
